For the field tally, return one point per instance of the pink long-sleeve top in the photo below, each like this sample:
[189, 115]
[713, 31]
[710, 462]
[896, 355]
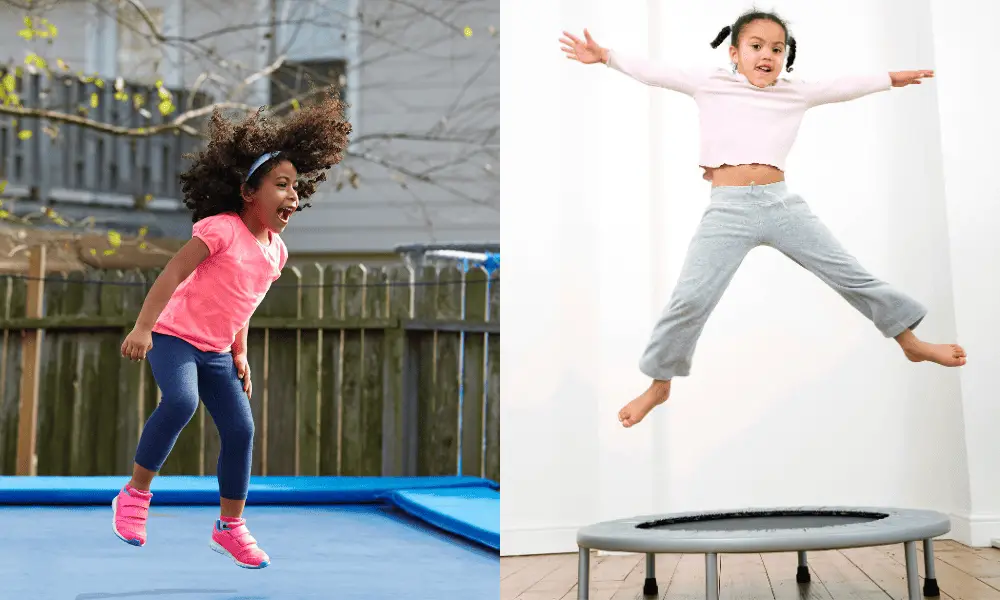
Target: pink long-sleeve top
[741, 123]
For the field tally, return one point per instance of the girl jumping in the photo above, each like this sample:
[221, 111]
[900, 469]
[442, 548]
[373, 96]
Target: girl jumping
[749, 118]
[242, 188]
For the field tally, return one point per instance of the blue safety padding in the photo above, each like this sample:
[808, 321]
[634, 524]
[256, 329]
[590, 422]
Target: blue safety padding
[468, 507]
[196, 490]
[471, 512]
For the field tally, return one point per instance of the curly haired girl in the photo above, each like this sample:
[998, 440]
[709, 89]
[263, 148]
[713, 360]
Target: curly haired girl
[242, 188]
[749, 121]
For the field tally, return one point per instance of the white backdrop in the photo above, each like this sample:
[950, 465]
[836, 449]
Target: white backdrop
[794, 397]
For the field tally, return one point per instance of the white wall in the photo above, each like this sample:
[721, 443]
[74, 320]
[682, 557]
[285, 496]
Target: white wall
[794, 397]
[970, 127]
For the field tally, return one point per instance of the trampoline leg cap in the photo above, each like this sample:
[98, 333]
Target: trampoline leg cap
[649, 588]
[931, 589]
[802, 575]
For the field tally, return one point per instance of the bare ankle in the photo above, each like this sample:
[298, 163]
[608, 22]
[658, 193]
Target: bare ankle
[232, 508]
[907, 340]
[660, 387]
[142, 478]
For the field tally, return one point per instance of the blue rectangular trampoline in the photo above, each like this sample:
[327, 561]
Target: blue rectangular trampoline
[432, 538]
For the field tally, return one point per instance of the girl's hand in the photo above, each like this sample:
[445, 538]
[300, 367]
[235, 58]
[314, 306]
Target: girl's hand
[588, 52]
[905, 78]
[243, 370]
[137, 344]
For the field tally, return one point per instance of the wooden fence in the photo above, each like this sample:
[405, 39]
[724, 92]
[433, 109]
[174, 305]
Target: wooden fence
[356, 371]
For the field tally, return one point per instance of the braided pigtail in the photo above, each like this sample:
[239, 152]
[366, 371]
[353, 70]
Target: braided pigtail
[791, 54]
[722, 36]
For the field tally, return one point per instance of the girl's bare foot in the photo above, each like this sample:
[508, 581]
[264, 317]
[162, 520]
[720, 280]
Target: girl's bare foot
[637, 409]
[917, 350]
[949, 355]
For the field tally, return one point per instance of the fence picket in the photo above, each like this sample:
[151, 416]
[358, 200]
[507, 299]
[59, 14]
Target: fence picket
[352, 435]
[492, 433]
[331, 374]
[442, 410]
[310, 368]
[473, 376]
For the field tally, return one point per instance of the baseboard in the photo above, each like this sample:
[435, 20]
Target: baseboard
[541, 540]
[976, 531]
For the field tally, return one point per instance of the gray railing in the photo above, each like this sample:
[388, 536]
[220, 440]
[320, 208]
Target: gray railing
[67, 161]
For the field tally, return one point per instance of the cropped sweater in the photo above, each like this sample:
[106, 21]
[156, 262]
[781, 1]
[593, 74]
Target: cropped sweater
[741, 123]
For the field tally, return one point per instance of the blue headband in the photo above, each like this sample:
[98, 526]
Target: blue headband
[257, 163]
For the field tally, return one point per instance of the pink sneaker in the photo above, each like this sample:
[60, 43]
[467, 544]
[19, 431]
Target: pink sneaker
[230, 537]
[130, 509]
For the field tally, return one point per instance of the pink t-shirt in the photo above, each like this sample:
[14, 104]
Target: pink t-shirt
[217, 300]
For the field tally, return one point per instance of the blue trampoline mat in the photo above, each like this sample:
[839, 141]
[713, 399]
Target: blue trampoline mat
[432, 538]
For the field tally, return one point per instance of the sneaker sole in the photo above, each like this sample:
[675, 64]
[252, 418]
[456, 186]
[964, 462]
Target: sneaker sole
[214, 545]
[114, 526]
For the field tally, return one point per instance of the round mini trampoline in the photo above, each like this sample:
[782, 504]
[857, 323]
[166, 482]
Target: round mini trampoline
[799, 530]
[431, 538]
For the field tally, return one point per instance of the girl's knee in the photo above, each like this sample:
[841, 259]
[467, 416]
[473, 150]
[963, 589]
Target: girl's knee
[237, 430]
[180, 405]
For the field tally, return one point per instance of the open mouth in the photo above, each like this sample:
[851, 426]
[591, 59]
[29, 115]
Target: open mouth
[285, 213]
[764, 68]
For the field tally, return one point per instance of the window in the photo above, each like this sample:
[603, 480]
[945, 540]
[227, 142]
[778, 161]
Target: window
[295, 79]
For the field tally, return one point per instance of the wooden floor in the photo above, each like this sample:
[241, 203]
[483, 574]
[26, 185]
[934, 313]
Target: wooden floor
[861, 574]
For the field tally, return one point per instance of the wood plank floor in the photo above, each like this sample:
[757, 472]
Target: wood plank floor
[878, 573]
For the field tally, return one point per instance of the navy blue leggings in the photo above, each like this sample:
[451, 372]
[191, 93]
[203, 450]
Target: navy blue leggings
[183, 374]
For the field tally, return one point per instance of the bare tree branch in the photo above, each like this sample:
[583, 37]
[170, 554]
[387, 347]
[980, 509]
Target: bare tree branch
[367, 156]
[56, 116]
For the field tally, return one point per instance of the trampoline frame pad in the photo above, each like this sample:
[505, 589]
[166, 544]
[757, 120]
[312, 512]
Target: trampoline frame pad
[899, 525]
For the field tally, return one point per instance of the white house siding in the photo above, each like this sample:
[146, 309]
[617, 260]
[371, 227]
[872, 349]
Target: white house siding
[405, 70]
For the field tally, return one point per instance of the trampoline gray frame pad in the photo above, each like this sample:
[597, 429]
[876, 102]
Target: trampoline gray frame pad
[900, 525]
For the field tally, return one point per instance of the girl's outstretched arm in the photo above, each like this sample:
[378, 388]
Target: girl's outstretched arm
[588, 51]
[139, 341]
[842, 89]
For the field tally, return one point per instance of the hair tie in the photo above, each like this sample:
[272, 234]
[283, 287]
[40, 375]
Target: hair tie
[257, 163]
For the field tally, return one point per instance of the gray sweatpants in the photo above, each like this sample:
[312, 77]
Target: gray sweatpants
[738, 219]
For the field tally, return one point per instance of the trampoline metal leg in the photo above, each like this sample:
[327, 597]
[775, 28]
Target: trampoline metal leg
[930, 578]
[802, 574]
[583, 576]
[712, 584]
[912, 574]
[649, 587]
